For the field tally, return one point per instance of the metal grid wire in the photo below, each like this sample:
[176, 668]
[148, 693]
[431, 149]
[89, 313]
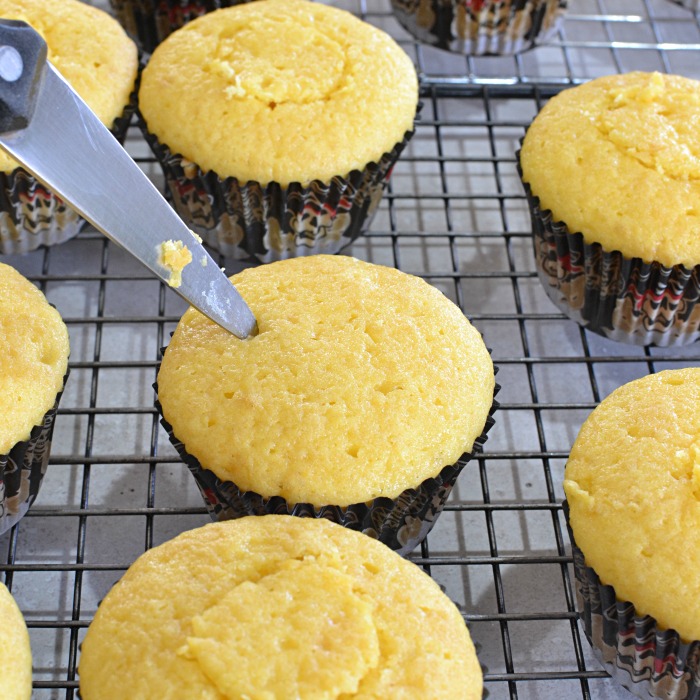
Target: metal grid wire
[455, 214]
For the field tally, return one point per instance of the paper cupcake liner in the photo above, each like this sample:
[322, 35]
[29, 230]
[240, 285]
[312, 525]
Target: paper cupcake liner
[148, 22]
[23, 468]
[497, 27]
[31, 215]
[265, 223]
[646, 659]
[401, 523]
[624, 299]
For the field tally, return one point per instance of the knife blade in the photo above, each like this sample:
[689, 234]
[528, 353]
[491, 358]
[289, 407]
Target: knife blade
[55, 136]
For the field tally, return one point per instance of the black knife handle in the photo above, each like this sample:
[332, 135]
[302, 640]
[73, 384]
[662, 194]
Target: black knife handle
[22, 60]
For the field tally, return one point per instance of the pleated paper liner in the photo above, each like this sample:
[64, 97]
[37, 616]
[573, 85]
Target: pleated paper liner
[401, 523]
[31, 215]
[265, 223]
[22, 469]
[648, 660]
[624, 299]
[487, 27]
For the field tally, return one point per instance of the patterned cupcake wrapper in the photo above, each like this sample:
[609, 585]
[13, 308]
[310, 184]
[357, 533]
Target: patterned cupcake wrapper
[646, 659]
[264, 223]
[23, 468]
[31, 215]
[148, 22]
[624, 299]
[483, 27]
[401, 523]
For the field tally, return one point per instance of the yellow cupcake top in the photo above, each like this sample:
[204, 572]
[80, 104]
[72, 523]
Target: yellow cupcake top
[277, 607]
[633, 486]
[88, 47]
[363, 381]
[15, 652]
[279, 90]
[33, 356]
[618, 159]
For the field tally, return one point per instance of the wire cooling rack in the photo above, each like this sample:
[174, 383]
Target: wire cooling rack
[456, 215]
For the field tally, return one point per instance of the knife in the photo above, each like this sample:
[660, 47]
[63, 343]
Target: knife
[55, 136]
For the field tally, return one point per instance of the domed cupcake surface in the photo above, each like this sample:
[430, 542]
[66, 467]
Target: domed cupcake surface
[34, 349]
[277, 607]
[363, 381]
[93, 53]
[632, 483]
[88, 47]
[361, 398]
[279, 91]
[611, 170]
[618, 159]
[277, 124]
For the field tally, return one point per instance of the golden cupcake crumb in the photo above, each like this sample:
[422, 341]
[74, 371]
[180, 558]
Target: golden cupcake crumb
[174, 256]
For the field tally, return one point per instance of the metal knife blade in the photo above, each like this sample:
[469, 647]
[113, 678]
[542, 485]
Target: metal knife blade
[68, 149]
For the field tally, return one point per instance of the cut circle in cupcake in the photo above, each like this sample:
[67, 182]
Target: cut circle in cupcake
[285, 151]
[277, 607]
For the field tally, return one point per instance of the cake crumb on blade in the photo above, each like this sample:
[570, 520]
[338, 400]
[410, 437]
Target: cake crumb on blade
[174, 256]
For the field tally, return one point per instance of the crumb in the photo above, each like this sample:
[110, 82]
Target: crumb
[174, 256]
[196, 237]
[203, 261]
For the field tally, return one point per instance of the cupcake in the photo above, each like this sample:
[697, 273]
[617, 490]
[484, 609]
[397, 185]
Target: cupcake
[632, 484]
[93, 53]
[479, 27]
[277, 607]
[277, 123]
[33, 367]
[150, 21]
[612, 175]
[15, 652]
[360, 399]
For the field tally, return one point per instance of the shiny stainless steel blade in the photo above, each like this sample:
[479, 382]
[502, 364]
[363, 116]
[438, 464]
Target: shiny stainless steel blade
[67, 147]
